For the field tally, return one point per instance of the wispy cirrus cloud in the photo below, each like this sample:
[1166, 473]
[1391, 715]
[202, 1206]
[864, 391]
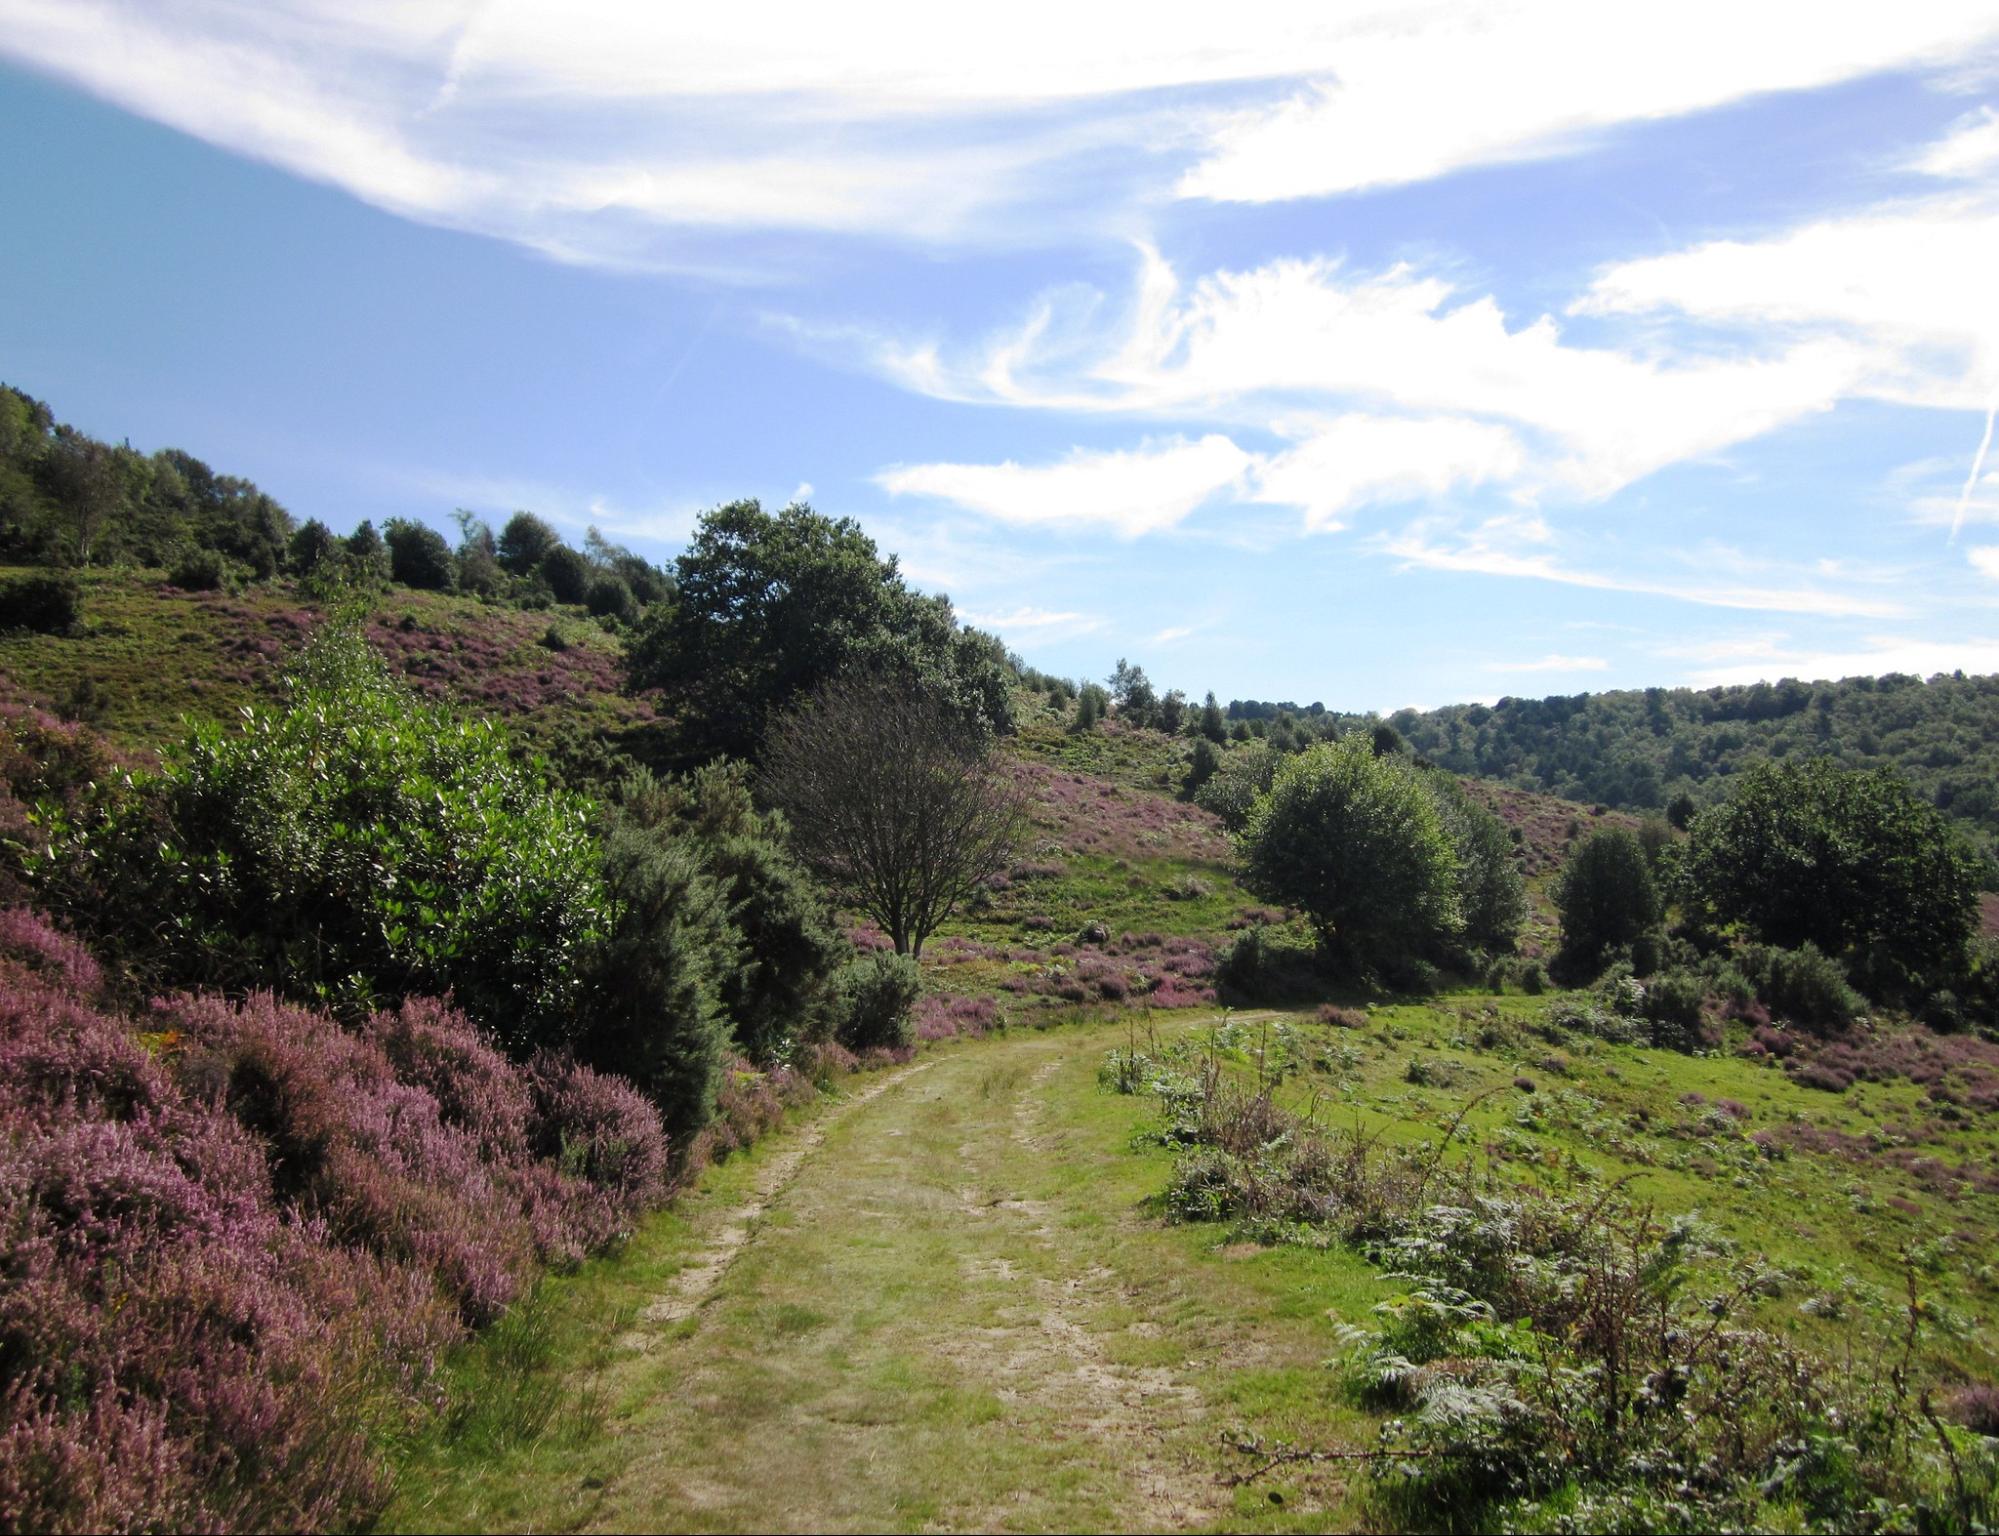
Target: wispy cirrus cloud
[623, 132]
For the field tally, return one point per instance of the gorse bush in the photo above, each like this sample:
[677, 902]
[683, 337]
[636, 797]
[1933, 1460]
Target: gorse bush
[877, 993]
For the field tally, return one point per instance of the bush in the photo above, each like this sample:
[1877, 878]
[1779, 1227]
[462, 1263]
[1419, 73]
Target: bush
[44, 604]
[1492, 898]
[1672, 1009]
[1232, 790]
[567, 573]
[1201, 767]
[1807, 986]
[608, 597]
[876, 994]
[1243, 967]
[1606, 896]
[655, 1007]
[354, 844]
[200, 570]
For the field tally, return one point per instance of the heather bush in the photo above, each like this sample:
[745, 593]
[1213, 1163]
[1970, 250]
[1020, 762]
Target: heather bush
[877, 992]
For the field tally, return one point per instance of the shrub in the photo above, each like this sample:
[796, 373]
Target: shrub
[609, 596]
[1533, 980]
[200, 570]
[1201, 767]
[1492, 898]
[1672, 1009]
[44, 604]
[876, 993]
[1243, 967]
[1231, 792]
[655, 1011]
[1808, 987]
[1606, 896]
[354, 843]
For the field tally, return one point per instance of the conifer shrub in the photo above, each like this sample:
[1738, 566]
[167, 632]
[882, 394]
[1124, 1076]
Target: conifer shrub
[877, 993]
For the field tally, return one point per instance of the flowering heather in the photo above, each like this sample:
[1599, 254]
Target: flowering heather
[236, 1235]
[1089, 815]
[938, 1016]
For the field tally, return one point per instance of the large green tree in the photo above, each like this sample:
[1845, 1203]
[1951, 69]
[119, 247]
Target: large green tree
[769, 607]
[1849, 860]
[1358, 844]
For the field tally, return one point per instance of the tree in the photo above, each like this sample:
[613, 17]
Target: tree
[1849, 860]
[895, 800]
[1491, 894]
[1133, 694]
[567, 573]
[1355, 842]
[83, 481]
[1213, 726]
[1606, 895]
[768, 608]
[418, 555]
[1233, 788]
[1172, 711]
[524, 543]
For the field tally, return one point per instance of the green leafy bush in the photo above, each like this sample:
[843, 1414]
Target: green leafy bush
[419, 555]
[1852, 862]
[1232, 790]
[46, 604]
[1807, 986]
[200, 570]
[877, 993]
[354, 843]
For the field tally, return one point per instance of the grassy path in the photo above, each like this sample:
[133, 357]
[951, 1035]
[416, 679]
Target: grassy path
[942, 1304]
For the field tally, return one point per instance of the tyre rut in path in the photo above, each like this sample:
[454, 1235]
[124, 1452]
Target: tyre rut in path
[697, 1281]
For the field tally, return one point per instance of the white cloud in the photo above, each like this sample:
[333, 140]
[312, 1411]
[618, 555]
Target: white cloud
[1144, 490]
[1551, 663]
[1440, 88]
[1985, 559]
[1907, 290]
[1168, 636]
[607, 130]
[804, 491]
[1358, 460]
[1036, 626]
[1522, 546]
[1888, 653]
[1969, 150]
[1255, 345]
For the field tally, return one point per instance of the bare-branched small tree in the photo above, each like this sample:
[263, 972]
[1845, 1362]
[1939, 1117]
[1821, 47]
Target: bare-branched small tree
[895, 799]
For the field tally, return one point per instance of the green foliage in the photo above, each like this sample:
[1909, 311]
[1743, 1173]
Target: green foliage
[45, 604]
[610, 597]
[567, 573]
[1356, 842]
[200, 570]
[355, 843]
[1231, 792]
[1492, 897]
[524, 543]
[1606, 896]
[1213, 727]
[1091, 702]
[876, 993]
[776, 992]
[1132, 693]
[1805, 985]
[1201, 767]
[655, 1011]
[1851, 861]
[419, 556]
[769, 608]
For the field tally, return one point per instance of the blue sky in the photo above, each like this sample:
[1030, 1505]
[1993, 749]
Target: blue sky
[1378, 355]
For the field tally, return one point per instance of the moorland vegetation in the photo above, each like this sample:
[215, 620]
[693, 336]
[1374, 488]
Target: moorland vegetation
[486, 894]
